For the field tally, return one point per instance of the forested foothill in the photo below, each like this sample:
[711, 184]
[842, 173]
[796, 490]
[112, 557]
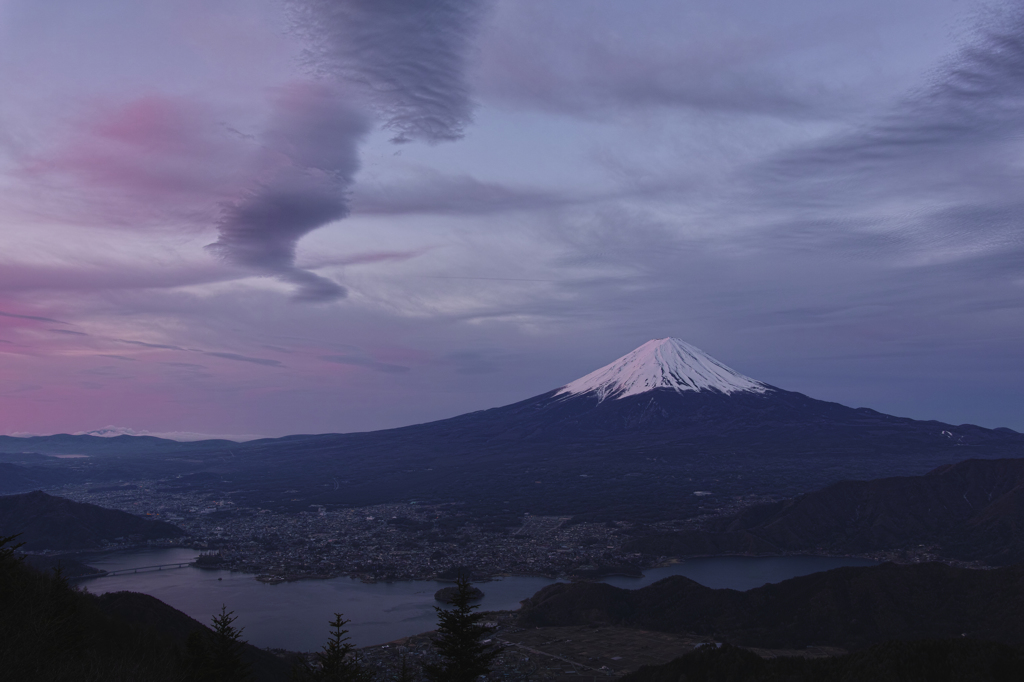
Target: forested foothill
[51, 632]
[845, 607]
[957, 660]
[47, 522]
[970, 511]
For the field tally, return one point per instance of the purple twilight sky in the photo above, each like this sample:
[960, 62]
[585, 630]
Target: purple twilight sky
[263, 217]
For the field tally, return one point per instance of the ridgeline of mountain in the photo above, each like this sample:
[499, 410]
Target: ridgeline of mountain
[66, 444]
[150, 614]
[48, 522]
[632, 440]
[973, 511]
[845, 607]
[949, 660]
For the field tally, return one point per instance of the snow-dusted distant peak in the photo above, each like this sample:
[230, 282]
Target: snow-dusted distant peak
[182, 436]
[662, 363]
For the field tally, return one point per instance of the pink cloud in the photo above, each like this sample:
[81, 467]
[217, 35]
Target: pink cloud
[145, 159]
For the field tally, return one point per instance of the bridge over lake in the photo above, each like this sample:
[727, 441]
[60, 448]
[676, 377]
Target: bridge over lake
[147, 569]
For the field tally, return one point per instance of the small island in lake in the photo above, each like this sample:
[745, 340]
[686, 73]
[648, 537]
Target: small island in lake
[446, 594]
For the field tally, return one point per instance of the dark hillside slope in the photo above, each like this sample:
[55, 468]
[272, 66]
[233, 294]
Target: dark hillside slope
[952, 660]
[174, 627]
[846, 607]
[50, 632]
[48, 522]
[973, 510]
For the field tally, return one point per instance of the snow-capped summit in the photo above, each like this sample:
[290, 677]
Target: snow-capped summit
[662, 363]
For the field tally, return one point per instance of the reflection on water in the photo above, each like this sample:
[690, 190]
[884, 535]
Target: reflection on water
[295, 615]
[740, 572]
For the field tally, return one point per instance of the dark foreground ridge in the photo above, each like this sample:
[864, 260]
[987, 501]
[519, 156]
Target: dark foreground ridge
[846, 607]
[48, 522]
[922, 661]
[971, 511]
[53, 633]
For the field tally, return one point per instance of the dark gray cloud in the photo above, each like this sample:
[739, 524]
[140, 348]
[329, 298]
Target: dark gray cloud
[409, 57]
[312, 157]
[32, 317]
[365, 362]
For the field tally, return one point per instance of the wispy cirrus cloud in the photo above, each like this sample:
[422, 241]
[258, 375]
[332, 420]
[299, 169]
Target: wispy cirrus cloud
[434, 193]
[945, 154]
[266, 362]
[34, 318]
[368, 363]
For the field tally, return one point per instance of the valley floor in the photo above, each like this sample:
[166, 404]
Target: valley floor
[559, 654]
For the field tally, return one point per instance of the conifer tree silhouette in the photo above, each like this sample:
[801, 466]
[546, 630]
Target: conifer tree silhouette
[217, 656]
[336, 661]
[459, 633]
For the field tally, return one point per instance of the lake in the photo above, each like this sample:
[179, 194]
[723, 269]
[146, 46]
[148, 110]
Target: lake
[294, 615]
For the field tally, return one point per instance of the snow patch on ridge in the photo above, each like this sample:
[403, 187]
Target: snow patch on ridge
[662, 363]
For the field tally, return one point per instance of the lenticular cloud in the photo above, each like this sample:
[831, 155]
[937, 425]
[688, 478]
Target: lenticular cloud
[408, 56]
[310, 157]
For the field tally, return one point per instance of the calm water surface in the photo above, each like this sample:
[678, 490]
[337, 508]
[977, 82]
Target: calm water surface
[295, 615]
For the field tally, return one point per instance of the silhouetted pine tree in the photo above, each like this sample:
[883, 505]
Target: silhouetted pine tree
[217, 656]
[459, 634]
[336, 662]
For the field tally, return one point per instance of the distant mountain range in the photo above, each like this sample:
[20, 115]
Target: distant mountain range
[972, 511]
[635, 439]
[48, 522]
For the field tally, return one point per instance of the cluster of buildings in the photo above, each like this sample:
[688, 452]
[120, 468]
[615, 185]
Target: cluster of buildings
[406, 541]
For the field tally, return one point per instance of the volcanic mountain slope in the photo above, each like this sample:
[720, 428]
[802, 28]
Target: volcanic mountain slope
[641, 434]
[47, 522]
[635, 438]
[973, 510]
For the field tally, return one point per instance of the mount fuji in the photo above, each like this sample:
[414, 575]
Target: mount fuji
[638, 438]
